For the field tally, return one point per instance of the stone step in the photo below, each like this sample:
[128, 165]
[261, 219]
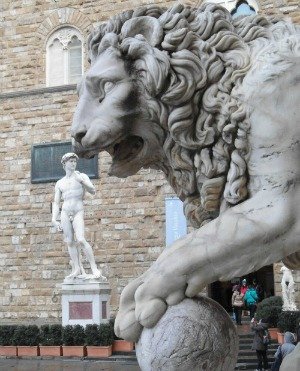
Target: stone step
[247, 366]
[270, 350]
[272, 347]
[253, 359]
[124, 358]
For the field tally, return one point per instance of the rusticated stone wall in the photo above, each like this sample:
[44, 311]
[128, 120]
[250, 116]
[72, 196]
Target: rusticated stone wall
[125, 220]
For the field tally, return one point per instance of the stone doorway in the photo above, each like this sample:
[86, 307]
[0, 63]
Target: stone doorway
[221, 292]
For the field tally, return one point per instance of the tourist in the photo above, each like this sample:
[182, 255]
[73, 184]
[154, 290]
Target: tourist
[237, 303]
[291, 361]
[251, 299]
[71, 189]
[244, 286]
[259, 290]
[283, 350]
[260, 345]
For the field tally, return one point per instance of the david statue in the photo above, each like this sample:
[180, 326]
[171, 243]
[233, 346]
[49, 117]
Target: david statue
[213, 103]
[71, 189]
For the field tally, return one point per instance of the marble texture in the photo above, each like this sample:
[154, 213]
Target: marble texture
[288, 289]
[91, 294]
[190, 336]
[214, 104]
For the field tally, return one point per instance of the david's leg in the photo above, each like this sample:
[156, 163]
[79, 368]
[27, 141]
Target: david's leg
[75, 260]
[78, 225]
[72, 248]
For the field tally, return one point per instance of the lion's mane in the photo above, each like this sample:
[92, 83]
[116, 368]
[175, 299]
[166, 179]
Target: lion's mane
[190, 79]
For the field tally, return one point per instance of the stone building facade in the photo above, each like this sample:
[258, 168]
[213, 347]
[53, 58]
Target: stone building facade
[125, 221]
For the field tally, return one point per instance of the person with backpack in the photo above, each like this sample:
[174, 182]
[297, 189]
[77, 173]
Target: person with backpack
[251, 299]
[283, 350]
[260, 342]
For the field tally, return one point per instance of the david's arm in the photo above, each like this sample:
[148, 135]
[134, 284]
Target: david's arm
[55, 208]
[85, 181]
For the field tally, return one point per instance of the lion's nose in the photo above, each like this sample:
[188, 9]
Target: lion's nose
[78, 135]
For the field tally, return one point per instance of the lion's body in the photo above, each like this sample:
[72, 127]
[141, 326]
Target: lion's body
[215, 105]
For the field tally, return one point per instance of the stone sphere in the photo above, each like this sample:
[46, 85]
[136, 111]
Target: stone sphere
[196, 334]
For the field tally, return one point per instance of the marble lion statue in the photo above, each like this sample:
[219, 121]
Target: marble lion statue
[213, 103]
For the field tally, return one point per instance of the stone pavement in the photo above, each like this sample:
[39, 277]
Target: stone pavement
[57, 364]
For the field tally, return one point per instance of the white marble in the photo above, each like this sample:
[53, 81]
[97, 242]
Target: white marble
[288, 289]
[71, 189]
[95, 294]
[190, 336]
[214, 104]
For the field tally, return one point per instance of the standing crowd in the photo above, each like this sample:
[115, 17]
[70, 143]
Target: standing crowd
[246, 297]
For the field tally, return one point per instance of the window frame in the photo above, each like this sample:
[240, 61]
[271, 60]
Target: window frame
[92, 170]
[69, 32]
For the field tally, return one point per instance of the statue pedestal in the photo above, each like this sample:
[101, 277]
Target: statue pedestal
[85, 302]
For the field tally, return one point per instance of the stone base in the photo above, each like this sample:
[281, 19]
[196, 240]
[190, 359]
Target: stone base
[85, 302]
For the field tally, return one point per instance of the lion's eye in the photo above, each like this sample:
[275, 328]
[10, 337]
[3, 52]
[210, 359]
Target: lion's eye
[108, 86]
[141, 74]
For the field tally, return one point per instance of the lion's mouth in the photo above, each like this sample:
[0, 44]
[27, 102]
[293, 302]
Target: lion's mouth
[127, 148]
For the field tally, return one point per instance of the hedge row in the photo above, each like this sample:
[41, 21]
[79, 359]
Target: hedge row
[57, 335]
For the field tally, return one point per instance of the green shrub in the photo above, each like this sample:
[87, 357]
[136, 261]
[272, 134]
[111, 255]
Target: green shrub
[26, 335]
[56, 333]
[270, 309]
[73, 335]
[68, 335]
[106, 334]
[6, 334]
[51, 334]
[92, 335]
[79, 336]
[288, 321]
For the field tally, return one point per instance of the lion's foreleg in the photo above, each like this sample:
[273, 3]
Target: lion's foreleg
[255, 233]
[243, 239]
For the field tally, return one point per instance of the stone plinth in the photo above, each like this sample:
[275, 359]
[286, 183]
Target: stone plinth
[85, 302]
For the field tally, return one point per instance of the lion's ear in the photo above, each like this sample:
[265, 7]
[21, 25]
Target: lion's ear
[147, 26]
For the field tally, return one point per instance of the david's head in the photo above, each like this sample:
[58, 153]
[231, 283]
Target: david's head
[70, 158]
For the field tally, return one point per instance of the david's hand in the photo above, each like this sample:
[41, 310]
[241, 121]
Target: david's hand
[78, 177]
[57, 225]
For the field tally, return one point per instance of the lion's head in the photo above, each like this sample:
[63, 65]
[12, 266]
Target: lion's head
[160, 94]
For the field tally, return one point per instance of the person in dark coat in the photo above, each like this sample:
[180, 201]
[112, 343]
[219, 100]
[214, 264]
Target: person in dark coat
[260, 330]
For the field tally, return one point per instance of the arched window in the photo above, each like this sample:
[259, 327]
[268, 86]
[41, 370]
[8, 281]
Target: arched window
[64, 57]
